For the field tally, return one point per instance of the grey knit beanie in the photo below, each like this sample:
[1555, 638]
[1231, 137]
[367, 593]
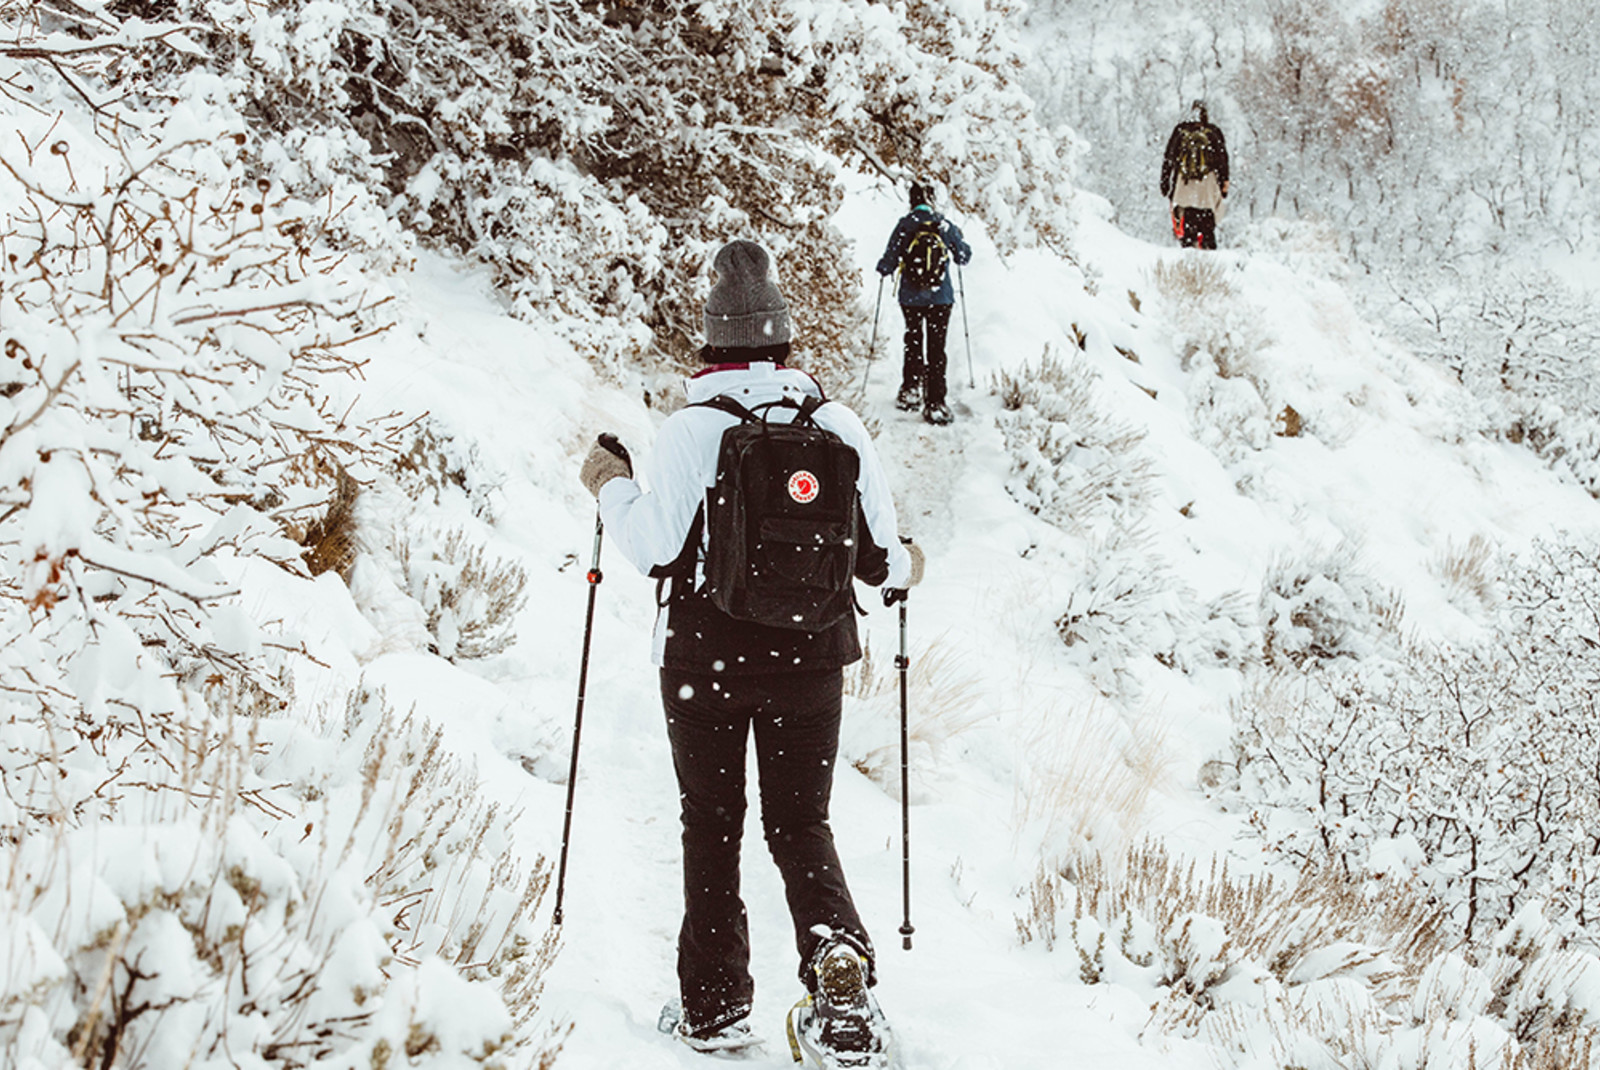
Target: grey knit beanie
[745, 309]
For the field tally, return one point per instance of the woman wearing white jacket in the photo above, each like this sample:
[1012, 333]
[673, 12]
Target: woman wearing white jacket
[722, 678]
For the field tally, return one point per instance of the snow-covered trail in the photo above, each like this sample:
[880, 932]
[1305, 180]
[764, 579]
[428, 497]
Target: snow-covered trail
[1010, 743]
[965, 996]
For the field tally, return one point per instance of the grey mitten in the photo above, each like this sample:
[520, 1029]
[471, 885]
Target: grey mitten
[891, 595]
[608, 460]
[918, 561]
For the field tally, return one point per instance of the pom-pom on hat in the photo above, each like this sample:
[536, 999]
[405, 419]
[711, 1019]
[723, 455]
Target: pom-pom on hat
[745, 309]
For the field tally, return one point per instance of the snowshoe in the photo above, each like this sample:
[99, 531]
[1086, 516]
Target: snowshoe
[909, 398]
[839, 1027]
[938, 413]
[734, 1040]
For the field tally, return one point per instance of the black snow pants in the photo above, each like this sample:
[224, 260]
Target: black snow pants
[926, 328]
[795, 717]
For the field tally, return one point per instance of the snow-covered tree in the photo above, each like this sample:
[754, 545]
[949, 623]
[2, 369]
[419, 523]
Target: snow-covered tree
[1472, 769]
[596, 155]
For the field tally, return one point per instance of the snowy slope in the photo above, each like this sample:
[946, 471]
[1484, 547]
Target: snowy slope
[1018, 752]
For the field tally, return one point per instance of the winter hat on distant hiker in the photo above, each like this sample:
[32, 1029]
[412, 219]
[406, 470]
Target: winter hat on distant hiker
[921, 194]
[745, 309]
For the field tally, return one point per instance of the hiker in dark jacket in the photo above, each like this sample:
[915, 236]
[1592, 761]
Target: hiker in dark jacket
[721, 678]
[926, 308]
[1194, 176]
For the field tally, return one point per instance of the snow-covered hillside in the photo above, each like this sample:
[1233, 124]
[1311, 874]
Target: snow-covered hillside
[1026, 751]
[1214, 562]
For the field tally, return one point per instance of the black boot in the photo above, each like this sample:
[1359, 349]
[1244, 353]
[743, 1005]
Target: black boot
[839, 1026]
[910, 397]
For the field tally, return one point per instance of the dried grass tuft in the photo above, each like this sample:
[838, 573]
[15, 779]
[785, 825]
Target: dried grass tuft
[1088, 777]
[330, 541]
[943, 699]
[1468, 571]
[1187, 279]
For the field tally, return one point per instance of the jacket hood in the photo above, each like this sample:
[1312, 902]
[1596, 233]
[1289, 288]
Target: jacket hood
[751, 384]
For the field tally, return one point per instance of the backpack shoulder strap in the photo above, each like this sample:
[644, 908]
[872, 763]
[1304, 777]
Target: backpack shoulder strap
[682, 566]
[723, 403]
[808, 408]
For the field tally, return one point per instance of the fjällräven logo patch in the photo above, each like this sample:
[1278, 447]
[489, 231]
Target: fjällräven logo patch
[803, 487]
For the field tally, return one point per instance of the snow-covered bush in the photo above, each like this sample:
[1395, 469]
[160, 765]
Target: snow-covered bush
[175, 335]
[470, 599]
[1527, 348]
[1208, 938]
[1319, 605]
[1072, 463]
[1319, 970]
[200, 870]
[596, 155]
[329, 894]
[1471, 768]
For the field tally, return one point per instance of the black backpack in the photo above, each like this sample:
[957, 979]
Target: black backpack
[1194, 154]
[926, 256]
[782, 519]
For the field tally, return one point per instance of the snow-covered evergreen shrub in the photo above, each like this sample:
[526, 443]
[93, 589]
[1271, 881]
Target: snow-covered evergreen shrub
[1088, 473]
[1471, 767]
[1126, 602]
[1218, 333]
[1233, 405]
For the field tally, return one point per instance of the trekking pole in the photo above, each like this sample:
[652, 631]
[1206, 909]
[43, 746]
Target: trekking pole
[594, 576]
[903, 663]
[972, 383]
[872, 346]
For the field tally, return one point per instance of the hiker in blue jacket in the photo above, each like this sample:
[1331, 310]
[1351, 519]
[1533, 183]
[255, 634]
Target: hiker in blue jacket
[921, 248]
